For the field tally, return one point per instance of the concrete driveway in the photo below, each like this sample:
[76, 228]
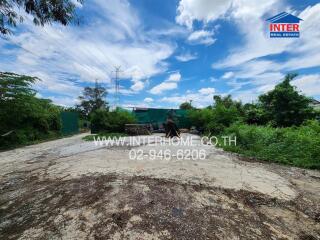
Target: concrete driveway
[72, 189]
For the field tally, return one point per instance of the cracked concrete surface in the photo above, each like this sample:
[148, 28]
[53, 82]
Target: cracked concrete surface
[70, 161]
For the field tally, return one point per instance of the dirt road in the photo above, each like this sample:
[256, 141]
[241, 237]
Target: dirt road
[72, 189]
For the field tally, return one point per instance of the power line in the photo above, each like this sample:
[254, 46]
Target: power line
[10, 41]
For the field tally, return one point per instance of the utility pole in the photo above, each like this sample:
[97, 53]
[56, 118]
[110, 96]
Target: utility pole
[117, 86]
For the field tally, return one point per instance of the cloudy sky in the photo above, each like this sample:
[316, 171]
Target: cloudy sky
[170, 51]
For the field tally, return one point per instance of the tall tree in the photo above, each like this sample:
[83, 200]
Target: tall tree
[43, 11]
[186, 106]
[92, 99]
[285, 106]
[23, 116]
[13, 86]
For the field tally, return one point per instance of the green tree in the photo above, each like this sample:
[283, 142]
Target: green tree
[23, 116]
[186, 106]
[92, 99]
[227, 102]
[43, 11]
[215, 119]
[254, 114]
[114, 122]
[14, 86]
[285, 106]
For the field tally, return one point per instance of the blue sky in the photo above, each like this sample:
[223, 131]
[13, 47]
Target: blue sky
[170, 51]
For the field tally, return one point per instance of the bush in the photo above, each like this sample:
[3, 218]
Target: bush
[199, 118]
[105, 121]
[284, 106]
[29, 121]
[215, 119]
[296, 146]
[24, 118]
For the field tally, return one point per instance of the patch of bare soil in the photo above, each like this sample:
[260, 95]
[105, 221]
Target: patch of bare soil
[121, 207]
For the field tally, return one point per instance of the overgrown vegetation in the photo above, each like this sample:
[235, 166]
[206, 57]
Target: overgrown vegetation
[92, 99]
[186, 106]
[106, 121]
[95, 108]
[280, 127]
[213, 120]
[297, 146]
[24, 117]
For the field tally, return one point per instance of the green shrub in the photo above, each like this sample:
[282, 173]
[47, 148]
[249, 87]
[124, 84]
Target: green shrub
[200, 117]
[105, 121]
[24, 118]
[285, 106]
[296, 146]
[35, 120]
[215, 119]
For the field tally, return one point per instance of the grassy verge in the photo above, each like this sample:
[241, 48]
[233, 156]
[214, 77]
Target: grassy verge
[21, 139]
[295, 146]
[104, 135]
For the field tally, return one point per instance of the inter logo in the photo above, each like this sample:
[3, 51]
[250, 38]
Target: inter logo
[284, 25]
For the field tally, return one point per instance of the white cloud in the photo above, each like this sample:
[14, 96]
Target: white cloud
[137, 86]
[201, 37]
[213, 79]
[308, 84]
[164, 86]
[228, 75]
[148, 100]
[246, 96]
[258, 44]
[202, 10]
[202, 98]
[207, 91]
[246, 60]
[64, 101]
[168, 84]
[90, 51]
[175, 77]
[185, 57]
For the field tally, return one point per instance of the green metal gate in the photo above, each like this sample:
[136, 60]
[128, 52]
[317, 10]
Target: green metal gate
[156, 117]
[70, 123]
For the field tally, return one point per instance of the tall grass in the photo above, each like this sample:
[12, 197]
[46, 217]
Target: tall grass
[296, 146]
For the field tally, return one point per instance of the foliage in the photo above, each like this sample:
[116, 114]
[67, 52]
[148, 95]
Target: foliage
[200, 118]
[102, 135]
[297, 146]
[24, 118]
[221, 115]
[284, 106]
[92, 100]
[105, 121]
[186, 106]
[280, 129]
[254, 114]
[61, 11]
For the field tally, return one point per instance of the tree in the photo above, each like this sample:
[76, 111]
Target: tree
[23, 116]
[186, 106]
[15, 93]
[43, 11]
[114, 122]
[92, 99]
[222, 114]
[254, 114]
[285, 106]
[14, 86]
[227, 102]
